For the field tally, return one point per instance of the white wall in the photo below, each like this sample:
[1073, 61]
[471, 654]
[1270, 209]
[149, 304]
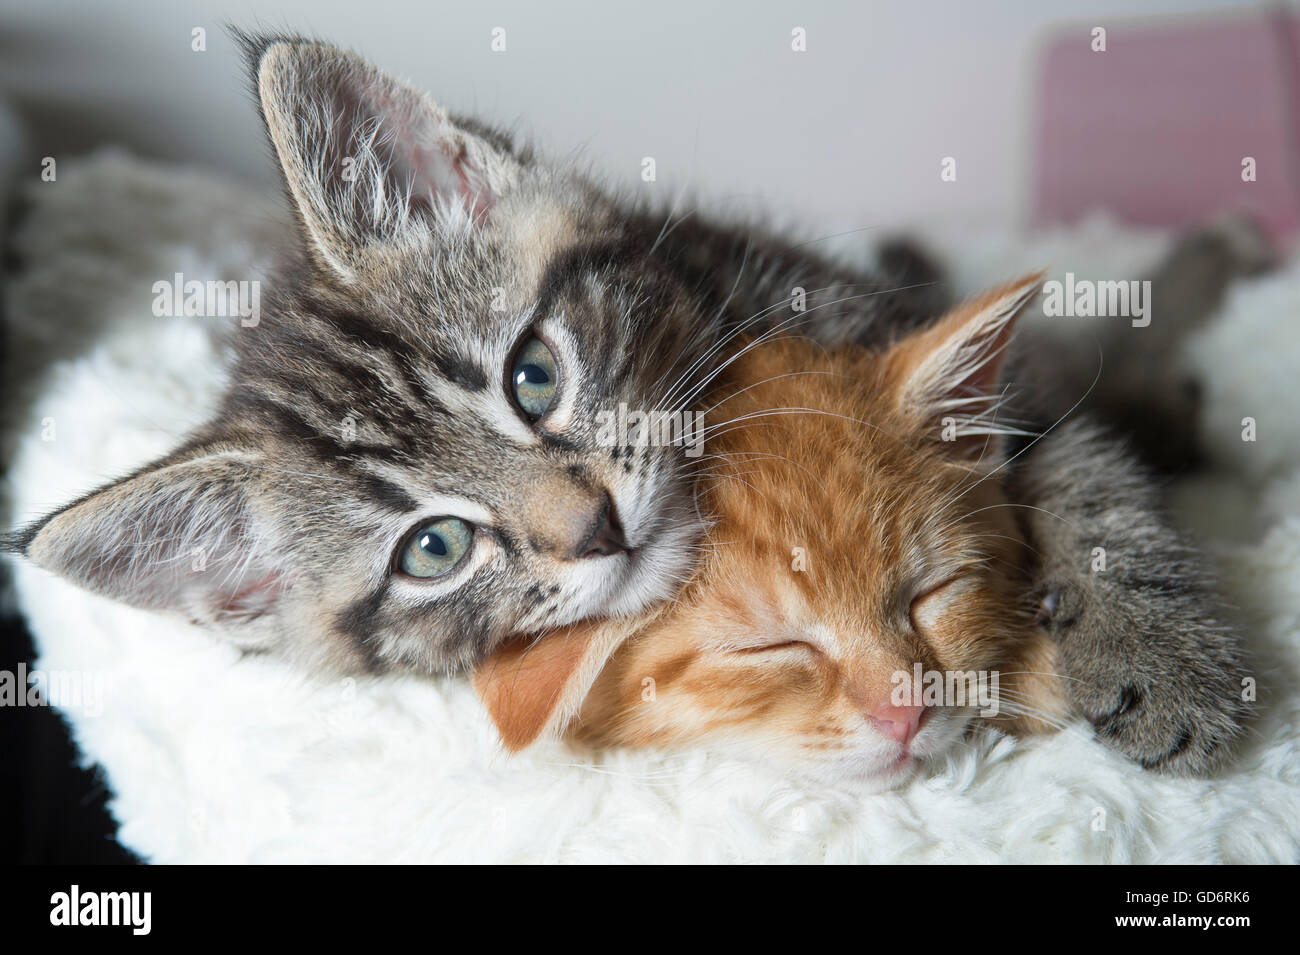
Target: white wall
[847, 135]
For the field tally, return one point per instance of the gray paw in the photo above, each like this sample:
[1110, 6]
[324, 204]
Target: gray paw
[1167, 695]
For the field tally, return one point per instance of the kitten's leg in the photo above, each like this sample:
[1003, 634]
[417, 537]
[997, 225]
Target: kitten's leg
[1145, 648]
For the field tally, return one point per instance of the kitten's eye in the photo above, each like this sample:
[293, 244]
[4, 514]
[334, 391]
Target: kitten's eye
[928, 608]
[435, 548]
[798, 645]
[534, 377]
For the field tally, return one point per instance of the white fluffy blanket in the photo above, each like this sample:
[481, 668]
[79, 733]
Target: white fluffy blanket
[214, 758]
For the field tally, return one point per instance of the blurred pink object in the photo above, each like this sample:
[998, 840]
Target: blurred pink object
[1156, 128]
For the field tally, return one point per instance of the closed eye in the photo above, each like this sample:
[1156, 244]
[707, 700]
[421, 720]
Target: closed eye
[928, 608]
[774, 647]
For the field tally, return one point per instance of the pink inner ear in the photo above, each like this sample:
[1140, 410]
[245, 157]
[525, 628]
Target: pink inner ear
[423, 152]
[433, 172]
[250, 599]
[424, 155]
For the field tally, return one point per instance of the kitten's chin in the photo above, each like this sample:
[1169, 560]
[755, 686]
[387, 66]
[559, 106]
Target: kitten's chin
[883, 778]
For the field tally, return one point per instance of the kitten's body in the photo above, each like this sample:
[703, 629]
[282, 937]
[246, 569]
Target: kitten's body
[375, 396]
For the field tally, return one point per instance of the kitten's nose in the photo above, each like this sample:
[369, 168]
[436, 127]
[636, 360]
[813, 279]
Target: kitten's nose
[900, 723]
[606, 535]
[569, 518]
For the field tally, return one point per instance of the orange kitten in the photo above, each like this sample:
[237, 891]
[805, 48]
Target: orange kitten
[855, 546]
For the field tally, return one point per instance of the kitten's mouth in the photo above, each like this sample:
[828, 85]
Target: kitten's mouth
[910, 759]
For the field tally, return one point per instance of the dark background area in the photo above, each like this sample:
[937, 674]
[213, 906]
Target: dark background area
[54, 811]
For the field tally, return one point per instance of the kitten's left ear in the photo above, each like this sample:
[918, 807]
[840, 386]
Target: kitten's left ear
[534, 688]
[365, 157]
[187, 534]
[949, 373]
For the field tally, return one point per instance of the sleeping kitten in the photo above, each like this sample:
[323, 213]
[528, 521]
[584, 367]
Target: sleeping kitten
[861, 537]
[407, 466]
[850, 543]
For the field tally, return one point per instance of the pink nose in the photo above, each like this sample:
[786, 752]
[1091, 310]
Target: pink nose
[899, 723]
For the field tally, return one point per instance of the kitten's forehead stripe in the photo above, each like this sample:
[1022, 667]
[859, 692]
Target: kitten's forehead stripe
[289, 422]
[573, 265]
[379, 371]
[351, 324]
[352, 329]
[388, 493]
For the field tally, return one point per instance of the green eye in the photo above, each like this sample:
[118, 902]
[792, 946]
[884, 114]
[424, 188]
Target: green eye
[534, 377]
[435, 548]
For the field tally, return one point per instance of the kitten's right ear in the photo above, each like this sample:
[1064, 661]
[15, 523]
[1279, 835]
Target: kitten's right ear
[534, 688]
[365, 157]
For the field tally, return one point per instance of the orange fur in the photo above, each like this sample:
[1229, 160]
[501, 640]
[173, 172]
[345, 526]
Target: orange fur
[849, 543]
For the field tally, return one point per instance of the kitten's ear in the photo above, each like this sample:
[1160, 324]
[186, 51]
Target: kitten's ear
[178, 535]
[366, 157]
[534, 688]
[949, 373]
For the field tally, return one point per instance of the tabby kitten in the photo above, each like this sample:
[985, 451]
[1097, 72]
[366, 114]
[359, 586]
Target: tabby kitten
[858, 540]
[407, 466]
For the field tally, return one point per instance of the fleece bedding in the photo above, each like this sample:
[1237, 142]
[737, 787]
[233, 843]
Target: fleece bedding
[216, 757]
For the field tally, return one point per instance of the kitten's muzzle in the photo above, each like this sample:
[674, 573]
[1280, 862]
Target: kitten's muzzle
[606, 537]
